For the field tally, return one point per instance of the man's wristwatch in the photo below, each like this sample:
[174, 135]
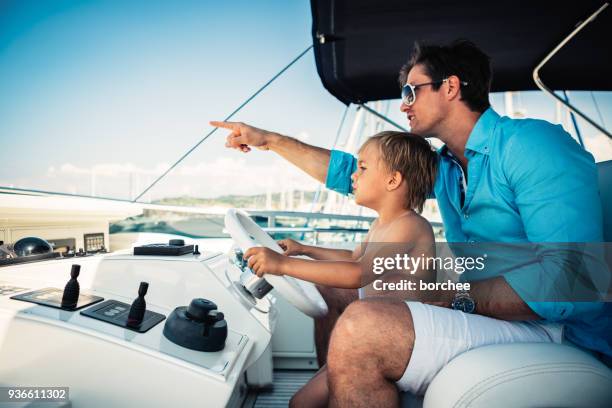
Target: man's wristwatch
[464, 302]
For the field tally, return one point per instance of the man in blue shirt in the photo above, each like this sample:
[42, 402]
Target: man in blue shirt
[499, 180]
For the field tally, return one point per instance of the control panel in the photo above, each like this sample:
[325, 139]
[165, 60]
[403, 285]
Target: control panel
[94, 242]
[52, 297]
[6, 290]
[175, 247]
[133, 317]
[70, 298]
[169, 309]
[201, 326]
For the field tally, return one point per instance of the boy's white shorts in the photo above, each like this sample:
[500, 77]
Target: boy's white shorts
[442, 334]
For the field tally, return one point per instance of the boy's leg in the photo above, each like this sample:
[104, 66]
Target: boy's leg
[337, 300]
[314, 394]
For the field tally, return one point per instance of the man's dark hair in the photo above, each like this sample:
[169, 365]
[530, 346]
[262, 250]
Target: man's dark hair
[461, 58]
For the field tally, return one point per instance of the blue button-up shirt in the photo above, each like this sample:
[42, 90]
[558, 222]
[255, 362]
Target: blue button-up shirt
[527, 181]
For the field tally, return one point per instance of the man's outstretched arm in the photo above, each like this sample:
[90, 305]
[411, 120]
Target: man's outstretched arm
[311, 159]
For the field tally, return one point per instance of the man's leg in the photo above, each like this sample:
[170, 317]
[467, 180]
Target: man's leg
[337, 300]
[369, 351]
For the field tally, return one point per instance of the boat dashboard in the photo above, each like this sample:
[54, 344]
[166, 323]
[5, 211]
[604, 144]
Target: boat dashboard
[159, 329]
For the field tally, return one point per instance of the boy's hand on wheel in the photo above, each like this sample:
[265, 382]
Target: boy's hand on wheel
[264, 260]
[291, 247]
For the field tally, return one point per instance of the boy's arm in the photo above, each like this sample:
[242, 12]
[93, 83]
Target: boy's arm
[406, 235]
[358, 252]
[327, 254]
[330, 254]
[340, 274]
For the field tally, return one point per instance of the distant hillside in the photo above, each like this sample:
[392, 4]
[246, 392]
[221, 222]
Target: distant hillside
[299, 199]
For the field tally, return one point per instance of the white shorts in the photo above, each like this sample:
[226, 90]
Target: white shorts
[441, 334]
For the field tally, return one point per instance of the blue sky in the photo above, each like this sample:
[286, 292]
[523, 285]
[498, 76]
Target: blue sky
[121, 89]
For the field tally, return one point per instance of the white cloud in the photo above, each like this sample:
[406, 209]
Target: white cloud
[106, 169]
[224, 175]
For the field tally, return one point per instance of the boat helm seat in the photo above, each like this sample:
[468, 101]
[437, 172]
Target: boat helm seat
[522, 375]
[526, 374]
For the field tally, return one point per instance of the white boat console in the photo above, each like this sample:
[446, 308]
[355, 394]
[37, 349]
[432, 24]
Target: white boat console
[103, 362]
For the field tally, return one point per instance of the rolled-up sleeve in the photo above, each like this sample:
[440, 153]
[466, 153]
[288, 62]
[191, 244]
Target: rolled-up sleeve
[554, 182]
[341, 166]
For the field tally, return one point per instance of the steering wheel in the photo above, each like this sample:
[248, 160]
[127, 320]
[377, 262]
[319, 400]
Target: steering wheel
[301, 294]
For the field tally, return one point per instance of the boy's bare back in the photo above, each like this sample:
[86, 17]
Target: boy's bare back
[409, 236]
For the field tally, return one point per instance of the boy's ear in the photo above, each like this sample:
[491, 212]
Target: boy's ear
[394, 180]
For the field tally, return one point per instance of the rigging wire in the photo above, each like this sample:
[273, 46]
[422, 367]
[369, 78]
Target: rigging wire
[242, 105]
[338, 132]
[315, 199]
[574, 122]
[601, 119]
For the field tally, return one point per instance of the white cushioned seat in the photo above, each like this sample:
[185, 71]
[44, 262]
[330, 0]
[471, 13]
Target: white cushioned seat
[522, 375]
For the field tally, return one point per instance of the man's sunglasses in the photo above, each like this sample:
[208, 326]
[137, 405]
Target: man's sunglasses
[409, 90]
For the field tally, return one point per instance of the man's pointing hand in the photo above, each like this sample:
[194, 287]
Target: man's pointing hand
[243, 136]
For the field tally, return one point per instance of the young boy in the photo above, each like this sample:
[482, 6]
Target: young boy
[395, 174]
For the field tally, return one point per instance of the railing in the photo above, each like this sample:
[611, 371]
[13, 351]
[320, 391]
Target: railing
[312, 233]
[272, 215]
[309, 223]
[316, 231]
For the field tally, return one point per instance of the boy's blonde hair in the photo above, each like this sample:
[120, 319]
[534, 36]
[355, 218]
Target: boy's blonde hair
[413, 157]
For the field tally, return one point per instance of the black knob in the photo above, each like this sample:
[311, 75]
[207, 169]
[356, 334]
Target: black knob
[215, 316]
[70, 297]
[199, 308]
[139, 306]
[200, 326]
[75, 271]
[176, 242]
[143, 288]
[196, 250]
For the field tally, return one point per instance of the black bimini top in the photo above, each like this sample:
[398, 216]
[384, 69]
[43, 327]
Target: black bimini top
[360, 45]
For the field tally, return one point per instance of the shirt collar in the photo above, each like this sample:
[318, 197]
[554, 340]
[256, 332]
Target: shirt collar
[443, 151]
[480, 137]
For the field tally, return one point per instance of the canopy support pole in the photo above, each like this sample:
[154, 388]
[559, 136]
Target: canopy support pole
[544, 88]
